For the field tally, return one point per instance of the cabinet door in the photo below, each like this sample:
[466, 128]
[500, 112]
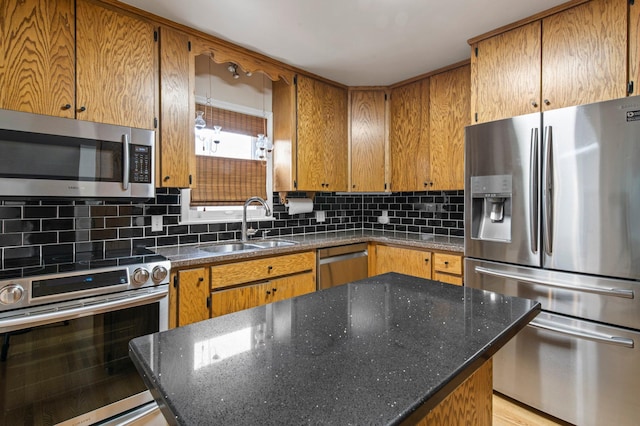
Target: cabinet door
[310, 144]
[292, 286]
[409, 137]
[193, 296]
[368, 140]
[115, 67]
[177, 140]
[236, 299]
[335, 143]
[584, 54]
[505, 73]
[403, 261]
[448, 114]
[37, 64]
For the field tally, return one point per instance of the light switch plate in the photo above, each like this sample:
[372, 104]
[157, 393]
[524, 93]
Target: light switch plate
[156, 223]
[320, 216]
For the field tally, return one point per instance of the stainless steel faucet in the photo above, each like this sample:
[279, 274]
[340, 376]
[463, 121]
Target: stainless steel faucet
[244, 215]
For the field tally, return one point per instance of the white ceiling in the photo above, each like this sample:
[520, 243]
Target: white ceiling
[354, 42]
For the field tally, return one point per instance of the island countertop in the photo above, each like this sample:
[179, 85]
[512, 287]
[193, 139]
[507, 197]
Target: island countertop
[375, 351]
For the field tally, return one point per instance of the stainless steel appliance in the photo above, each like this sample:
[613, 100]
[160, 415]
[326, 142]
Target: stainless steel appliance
[65, 329]
[44, 157]
[341, 265]
[552, 206]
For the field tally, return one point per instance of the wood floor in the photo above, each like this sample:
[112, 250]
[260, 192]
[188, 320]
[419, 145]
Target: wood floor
[507, 412]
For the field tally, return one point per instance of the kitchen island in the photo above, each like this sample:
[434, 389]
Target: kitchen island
[384, 350]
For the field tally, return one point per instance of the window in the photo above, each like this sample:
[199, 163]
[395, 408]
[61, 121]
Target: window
[229, 169]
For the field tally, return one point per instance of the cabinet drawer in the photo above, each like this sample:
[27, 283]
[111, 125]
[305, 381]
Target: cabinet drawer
[261, 269]
[446, 278]
[449, 263]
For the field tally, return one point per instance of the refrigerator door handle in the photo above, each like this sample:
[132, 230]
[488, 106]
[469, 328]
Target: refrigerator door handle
[581, 334]
[533, 191]
[548, 191]
[605, 291]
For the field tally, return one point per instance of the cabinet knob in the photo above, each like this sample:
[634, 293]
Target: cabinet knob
[200, 279]
[82, 109]
[426, 260]
[269, 268]
[66, 106]
[446, 262]
[534, 104]
[547, 102]
[268, 292]
[426, 184]
[353, 186]
[166, 178]
[274, 290]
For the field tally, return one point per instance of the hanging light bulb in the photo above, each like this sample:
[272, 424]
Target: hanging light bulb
[200, 124]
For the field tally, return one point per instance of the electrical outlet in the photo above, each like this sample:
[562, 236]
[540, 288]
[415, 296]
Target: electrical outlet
[156, 223]
[320, 216]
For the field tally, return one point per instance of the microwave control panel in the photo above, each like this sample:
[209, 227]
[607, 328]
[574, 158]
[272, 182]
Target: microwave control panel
[140, 164]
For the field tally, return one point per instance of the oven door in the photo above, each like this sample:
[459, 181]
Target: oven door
[69, 362]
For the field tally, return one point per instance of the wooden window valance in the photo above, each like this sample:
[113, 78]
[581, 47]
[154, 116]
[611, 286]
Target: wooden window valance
[234, 122]
[228, 181]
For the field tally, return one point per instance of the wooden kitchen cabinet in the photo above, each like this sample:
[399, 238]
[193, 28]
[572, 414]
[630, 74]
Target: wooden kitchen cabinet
[449, 97]
[310, 136]
[447, 268]
[176, 154]
[242, 285]
[409, 136]
[401, 260]
[191, 291]
[367, 140]
[573, 57]
[78, 59]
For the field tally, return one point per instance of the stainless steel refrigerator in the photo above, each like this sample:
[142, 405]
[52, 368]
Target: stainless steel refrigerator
[552, 213]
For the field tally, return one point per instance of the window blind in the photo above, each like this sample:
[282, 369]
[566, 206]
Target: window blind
[233, 122]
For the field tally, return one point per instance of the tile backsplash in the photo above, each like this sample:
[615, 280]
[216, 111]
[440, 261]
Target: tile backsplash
[36, 230]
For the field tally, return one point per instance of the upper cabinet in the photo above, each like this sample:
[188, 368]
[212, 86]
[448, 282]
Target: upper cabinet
[449, 98]
[367, 140]
[95, 64]
[572, 57]
[310, 136]
[176, 153]
[409, 136]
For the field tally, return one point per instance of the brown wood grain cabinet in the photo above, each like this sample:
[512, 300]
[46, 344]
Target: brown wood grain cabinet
[310, 136]
[176, 149]
[190, 289]
[409, 136]
[247, 284]
[573, 57]
[368, 140]
[78, 59]
[449, 97]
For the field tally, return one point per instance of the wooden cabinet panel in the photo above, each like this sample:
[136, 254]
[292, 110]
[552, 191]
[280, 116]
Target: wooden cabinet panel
[336, 147]
[37, 64]
[446, 278]
[506, 74]
[177, 148]
[449, 96]
[634, 46]
[260, 269]
[584, 54]
[115, 67]
[409, 137]
[449, 263]
[292, 286]
[368, 140]
[193, 294]
[284, 136]
[402, 260]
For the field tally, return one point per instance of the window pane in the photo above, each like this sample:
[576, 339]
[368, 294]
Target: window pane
[229, 145]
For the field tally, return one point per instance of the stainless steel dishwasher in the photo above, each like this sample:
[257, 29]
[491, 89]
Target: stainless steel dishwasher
[341, 265]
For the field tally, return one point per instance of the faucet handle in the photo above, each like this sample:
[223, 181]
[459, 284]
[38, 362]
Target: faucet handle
[265, 232]
[251, 232]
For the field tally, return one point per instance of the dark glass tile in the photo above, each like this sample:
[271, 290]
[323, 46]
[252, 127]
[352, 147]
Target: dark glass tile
[226, 236]
[456, 232]
[236, 226]
[449, 223]
[217, 227]
[7, 240]
[57, 253]
[162, 191]
[167, 241]
[130, 232]
[104, 234]
[90, 247]
[10, 212]
[206, 238]
[117, 222]
[131, 210]
[21, 225]
[175, 210]
[441, 231]
[155, 210]
[178, 230]
[286, 231]
[73, 236]
[149, 233]
[35, 238]
[456, 216]
[170, 220]
[167, 199]
[173, 191]
[101, 211]
[144, 242]
[40, 212]
[188, 239]
[117, 245]
[57, 224]
[199, 229]
[21, 257]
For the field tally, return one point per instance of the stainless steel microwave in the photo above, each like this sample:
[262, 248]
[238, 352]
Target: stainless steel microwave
[51, 157]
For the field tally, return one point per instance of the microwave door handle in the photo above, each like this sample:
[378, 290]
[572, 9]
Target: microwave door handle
[125, 162]
[548, 192]
[533, 191]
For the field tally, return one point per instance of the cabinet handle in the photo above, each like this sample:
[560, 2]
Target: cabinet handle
[426, 260]
[200, 279]
[353, 186]
[446, 262]
[426, 184]
[66, 106]
[274, 290]
[268, 292]
[82, 109]
[166, 178]
[547, 102]
[269, 268]
[534, 104]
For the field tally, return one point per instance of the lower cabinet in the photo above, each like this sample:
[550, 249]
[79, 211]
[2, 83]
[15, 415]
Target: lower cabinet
[189, 297]
[438, 266]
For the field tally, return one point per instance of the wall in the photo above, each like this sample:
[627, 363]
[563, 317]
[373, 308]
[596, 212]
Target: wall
[35, 230]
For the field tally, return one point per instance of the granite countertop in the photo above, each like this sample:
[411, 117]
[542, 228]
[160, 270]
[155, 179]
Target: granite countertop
[191, 255]
[368, 352]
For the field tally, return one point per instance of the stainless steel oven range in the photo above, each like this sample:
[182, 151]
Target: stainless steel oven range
[64, 331]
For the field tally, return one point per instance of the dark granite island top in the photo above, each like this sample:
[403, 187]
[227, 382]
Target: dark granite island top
[374, 351]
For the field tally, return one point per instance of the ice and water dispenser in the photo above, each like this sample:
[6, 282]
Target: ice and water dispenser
[491, 207]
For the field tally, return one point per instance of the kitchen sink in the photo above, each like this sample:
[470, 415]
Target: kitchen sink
[228, 248]
[273, 243]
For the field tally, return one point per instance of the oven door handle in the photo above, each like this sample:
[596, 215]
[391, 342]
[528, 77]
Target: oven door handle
[21, 322]
[605, 291]
[581, 334]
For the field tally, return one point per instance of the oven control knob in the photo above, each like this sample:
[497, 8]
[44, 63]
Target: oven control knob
[158, 274]
[11, 294]
[140, 276]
